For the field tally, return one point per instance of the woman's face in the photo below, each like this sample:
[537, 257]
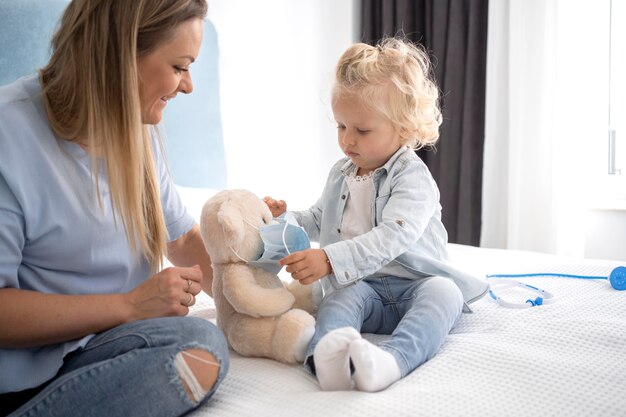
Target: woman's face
[164, 72]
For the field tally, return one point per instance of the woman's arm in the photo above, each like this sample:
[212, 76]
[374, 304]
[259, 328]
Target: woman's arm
[30, 318]
[189, 250]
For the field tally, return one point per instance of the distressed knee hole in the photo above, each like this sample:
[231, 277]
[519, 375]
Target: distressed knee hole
[198, 371]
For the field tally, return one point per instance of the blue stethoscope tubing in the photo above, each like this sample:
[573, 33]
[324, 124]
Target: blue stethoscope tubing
[617, 279]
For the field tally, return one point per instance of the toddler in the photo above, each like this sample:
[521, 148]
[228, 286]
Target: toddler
[382, 253]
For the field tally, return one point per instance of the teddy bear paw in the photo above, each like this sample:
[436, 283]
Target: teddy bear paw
[294, 331]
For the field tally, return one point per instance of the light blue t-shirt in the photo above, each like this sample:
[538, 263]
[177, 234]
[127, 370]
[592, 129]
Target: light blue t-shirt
[54, 238]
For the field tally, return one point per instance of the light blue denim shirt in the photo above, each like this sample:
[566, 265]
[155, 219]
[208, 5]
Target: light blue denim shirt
[408, 239]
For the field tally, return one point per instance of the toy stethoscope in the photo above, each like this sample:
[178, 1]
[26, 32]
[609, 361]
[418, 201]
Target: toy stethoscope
[617, 279]
[544, 297]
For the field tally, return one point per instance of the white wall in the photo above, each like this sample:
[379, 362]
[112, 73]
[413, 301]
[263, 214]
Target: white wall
[605, 237]
[276, 64]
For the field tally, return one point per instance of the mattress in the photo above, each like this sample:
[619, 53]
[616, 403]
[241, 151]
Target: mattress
[567, 358]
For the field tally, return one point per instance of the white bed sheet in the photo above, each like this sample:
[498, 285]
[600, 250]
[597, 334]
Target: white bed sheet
[562, 359]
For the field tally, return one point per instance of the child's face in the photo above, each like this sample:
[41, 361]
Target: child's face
[367, 137]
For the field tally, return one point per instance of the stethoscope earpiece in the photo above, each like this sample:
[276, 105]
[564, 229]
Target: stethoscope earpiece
[544, 296]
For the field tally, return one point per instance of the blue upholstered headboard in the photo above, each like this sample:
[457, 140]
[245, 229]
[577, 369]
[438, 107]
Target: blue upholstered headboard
[192, 123]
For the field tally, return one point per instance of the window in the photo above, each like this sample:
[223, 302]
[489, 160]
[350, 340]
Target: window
[617, 89]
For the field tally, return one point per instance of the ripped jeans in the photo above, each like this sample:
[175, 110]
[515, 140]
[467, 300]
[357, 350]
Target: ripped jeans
[130, 370]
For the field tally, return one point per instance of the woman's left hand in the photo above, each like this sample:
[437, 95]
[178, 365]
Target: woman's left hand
[189, 250]
[307, 266]
[168, 293]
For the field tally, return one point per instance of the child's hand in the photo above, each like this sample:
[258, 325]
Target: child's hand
[277, 207]
[307, 266]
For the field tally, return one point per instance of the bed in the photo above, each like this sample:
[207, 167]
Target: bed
[563, 359]
[567, 358]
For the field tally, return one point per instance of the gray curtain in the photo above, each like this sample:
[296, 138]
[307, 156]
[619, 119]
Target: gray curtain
[454, 32]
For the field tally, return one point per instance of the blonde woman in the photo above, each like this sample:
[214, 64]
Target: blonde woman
[383, 246]
[90, 323]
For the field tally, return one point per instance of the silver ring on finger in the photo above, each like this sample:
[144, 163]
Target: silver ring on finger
[188, 285]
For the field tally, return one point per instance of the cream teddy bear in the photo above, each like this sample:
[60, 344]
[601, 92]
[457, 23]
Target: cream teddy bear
[255, 310]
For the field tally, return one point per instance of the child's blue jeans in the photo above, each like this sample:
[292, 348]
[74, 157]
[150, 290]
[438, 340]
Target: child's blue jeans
[418, 314]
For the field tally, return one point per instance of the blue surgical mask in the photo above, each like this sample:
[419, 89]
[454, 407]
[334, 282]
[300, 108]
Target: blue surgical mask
[281, 237]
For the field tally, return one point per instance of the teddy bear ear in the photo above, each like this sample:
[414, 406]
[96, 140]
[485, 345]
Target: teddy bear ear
[231, 220]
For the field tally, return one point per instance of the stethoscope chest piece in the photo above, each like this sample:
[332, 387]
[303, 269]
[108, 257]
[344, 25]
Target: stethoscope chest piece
[618, 278]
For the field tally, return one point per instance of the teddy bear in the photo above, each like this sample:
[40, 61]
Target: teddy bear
[255, 308]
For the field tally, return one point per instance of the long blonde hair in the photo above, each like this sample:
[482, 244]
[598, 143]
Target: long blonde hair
[395, 79]
[91, 92]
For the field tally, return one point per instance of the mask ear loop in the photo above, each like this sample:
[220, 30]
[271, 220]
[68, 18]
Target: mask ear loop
[250, 224]
[237, 255]
[233, 250]
[284, 240]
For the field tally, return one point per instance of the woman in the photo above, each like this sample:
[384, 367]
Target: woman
[88, 324]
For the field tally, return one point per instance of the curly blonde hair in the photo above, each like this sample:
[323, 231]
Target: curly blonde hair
[393, 78]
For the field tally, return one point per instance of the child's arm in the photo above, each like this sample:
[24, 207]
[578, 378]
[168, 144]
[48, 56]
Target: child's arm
[277, 207]
[309, 219]
[307, 266]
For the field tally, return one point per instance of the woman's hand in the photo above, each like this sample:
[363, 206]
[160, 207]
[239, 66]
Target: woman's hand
[168, 293]
[46, 319]
[277, 207]
[307, 266]
[189, 250]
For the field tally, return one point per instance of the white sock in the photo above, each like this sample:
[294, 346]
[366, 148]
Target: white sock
[374, 368]
[332, 359]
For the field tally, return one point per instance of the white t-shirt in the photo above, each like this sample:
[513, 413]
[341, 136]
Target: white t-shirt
[54, 238]
[357, 216]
